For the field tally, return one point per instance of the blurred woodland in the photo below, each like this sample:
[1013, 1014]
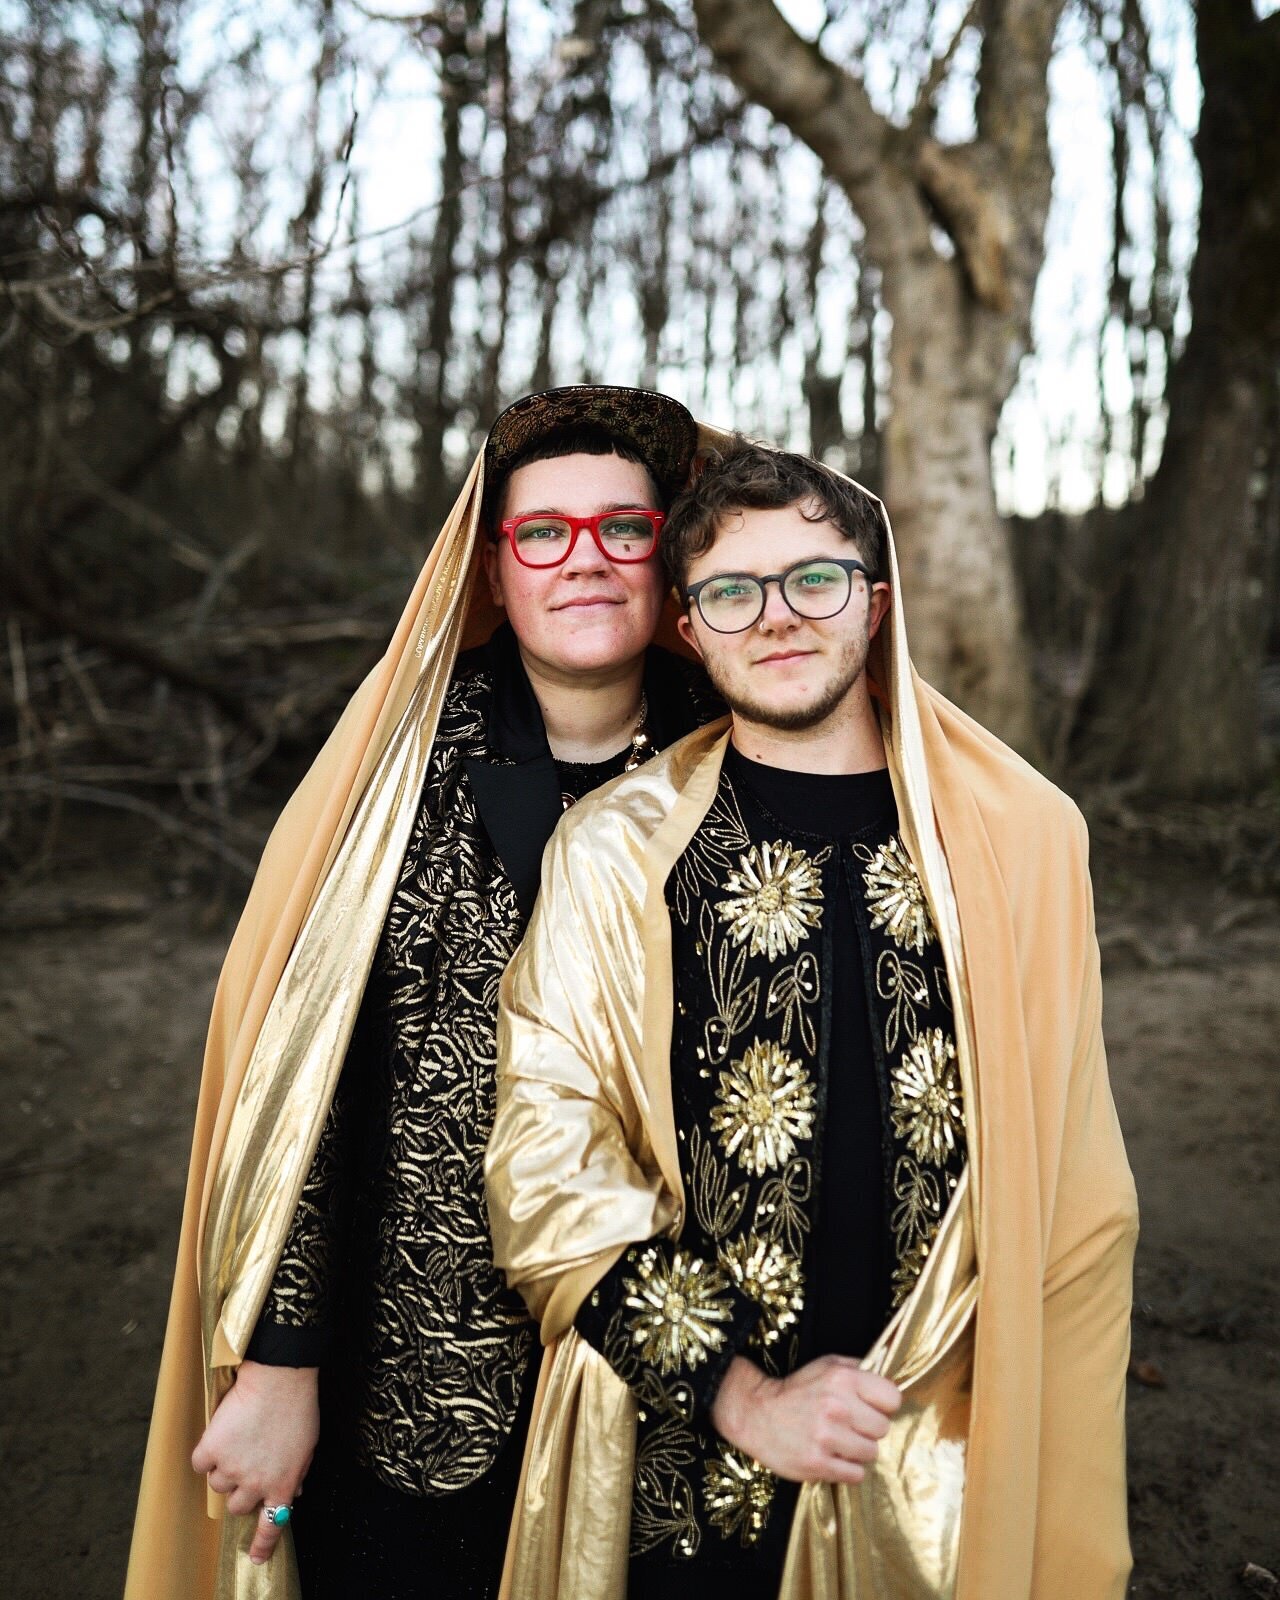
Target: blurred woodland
[233, 411]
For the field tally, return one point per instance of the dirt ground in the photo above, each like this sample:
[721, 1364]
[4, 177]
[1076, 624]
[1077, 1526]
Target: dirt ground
[107, 967]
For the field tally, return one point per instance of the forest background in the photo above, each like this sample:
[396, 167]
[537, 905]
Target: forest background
[268, 271]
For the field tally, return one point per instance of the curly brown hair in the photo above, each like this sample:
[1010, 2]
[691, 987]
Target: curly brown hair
[750, 477]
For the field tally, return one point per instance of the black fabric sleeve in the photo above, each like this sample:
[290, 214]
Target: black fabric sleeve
[669, 1322]
[295, 1328]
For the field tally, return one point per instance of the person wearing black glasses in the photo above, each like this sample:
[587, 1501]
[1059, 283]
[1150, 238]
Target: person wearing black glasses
[387, 1333]
[809, 1013]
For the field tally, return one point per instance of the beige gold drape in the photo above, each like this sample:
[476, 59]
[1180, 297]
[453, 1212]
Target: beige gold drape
[1049, 1210]
[1002, 1477]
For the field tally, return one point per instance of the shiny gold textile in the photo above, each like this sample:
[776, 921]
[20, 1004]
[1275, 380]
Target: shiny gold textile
[1003, 1474]
[283, 1011]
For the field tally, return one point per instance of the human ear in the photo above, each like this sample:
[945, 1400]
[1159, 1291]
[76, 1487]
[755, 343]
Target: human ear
[493, 572]
[684, 627]
[878, 603]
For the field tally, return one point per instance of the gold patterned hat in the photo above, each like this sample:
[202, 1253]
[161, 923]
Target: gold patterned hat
[660, 430]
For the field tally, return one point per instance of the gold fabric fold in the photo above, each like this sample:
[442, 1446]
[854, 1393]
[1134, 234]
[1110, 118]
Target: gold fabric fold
[282, 1014]
[1049, 1208]
[1003, 1475]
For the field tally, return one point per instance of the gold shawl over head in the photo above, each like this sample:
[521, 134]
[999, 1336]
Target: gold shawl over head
[282, 1015]
[1002, 1477]
[1053, 1206]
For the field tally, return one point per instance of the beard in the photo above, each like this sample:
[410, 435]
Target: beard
[827, 696]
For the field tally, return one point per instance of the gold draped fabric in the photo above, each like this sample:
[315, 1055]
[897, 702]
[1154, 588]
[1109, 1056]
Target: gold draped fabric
[1051, 1222]
[1002, 1476]
[282, 1014]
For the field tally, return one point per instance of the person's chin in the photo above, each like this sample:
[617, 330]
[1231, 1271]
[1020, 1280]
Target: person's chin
[597, 640]
[792, 709]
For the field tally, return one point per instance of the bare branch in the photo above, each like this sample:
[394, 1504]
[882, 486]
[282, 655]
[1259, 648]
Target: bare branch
[974, 221]
[939, 67]
[824, 106]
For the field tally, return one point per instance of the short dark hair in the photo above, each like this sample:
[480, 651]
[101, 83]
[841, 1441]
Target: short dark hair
[581, 440]
[750, 477]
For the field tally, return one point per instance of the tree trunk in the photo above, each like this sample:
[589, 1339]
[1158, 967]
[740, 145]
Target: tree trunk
[963, 605]
[961, 316]
[1178, 705]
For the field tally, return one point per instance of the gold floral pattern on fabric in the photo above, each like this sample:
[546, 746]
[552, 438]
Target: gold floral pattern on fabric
[793, 991]
[702, 869]
[910, 1265]
[750, 951]
[762, 1269]
[677, 1309]
[896, 899]
[782, 1209]
[735, 1000]
[445, 1344]
[774, 899]
[717, 1207]
[764, 1105]
[738, 1494]
[926, 1097]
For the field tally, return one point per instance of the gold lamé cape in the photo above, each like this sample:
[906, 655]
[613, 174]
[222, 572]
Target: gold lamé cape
[1055, 1214]
[283, 1012]
[1002, 1477]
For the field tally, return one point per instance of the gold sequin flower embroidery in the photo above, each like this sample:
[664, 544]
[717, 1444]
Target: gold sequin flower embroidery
[766, 1272]
[763, 1105]
[926, 1097]
[775, 897]
[677, 1309]
[738, 1494]
[895, 898]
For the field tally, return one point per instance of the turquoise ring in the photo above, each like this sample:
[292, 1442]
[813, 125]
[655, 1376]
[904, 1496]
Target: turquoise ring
[278, 1515]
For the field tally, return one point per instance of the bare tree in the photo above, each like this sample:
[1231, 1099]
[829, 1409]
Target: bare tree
[1177, 703]
[956, 234]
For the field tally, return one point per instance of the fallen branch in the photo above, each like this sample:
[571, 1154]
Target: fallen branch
[37, 788]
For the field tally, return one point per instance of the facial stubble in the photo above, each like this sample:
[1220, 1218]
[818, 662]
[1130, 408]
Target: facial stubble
[849, 667]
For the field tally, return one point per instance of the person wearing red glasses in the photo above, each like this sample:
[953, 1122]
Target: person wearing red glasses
[390, 1364]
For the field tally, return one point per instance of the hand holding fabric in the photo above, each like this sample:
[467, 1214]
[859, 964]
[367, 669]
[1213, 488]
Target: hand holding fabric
[821, 1424]
[259, 1443]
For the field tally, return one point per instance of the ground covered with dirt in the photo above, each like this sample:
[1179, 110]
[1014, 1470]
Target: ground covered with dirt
[108, 965]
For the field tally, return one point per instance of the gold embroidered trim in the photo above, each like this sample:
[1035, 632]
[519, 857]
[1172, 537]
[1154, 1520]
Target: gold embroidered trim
[677, 1309]
[738, 1494]
[763, 1270]
[926, 1097]
[896, 899]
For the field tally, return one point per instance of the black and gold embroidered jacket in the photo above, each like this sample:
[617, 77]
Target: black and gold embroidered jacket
[387, 1280]
[767, 924]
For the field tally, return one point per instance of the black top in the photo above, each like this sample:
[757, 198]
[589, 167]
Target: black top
[852, 1266]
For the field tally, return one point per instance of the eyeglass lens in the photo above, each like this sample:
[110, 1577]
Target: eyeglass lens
[815, 589]
[545, 541]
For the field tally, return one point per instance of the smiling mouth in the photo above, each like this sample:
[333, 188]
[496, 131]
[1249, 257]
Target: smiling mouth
[595, 600]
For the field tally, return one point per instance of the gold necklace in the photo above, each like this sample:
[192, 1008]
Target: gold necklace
[641, 749]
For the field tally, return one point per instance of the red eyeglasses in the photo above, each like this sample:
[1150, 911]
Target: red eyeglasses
[539, 540]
